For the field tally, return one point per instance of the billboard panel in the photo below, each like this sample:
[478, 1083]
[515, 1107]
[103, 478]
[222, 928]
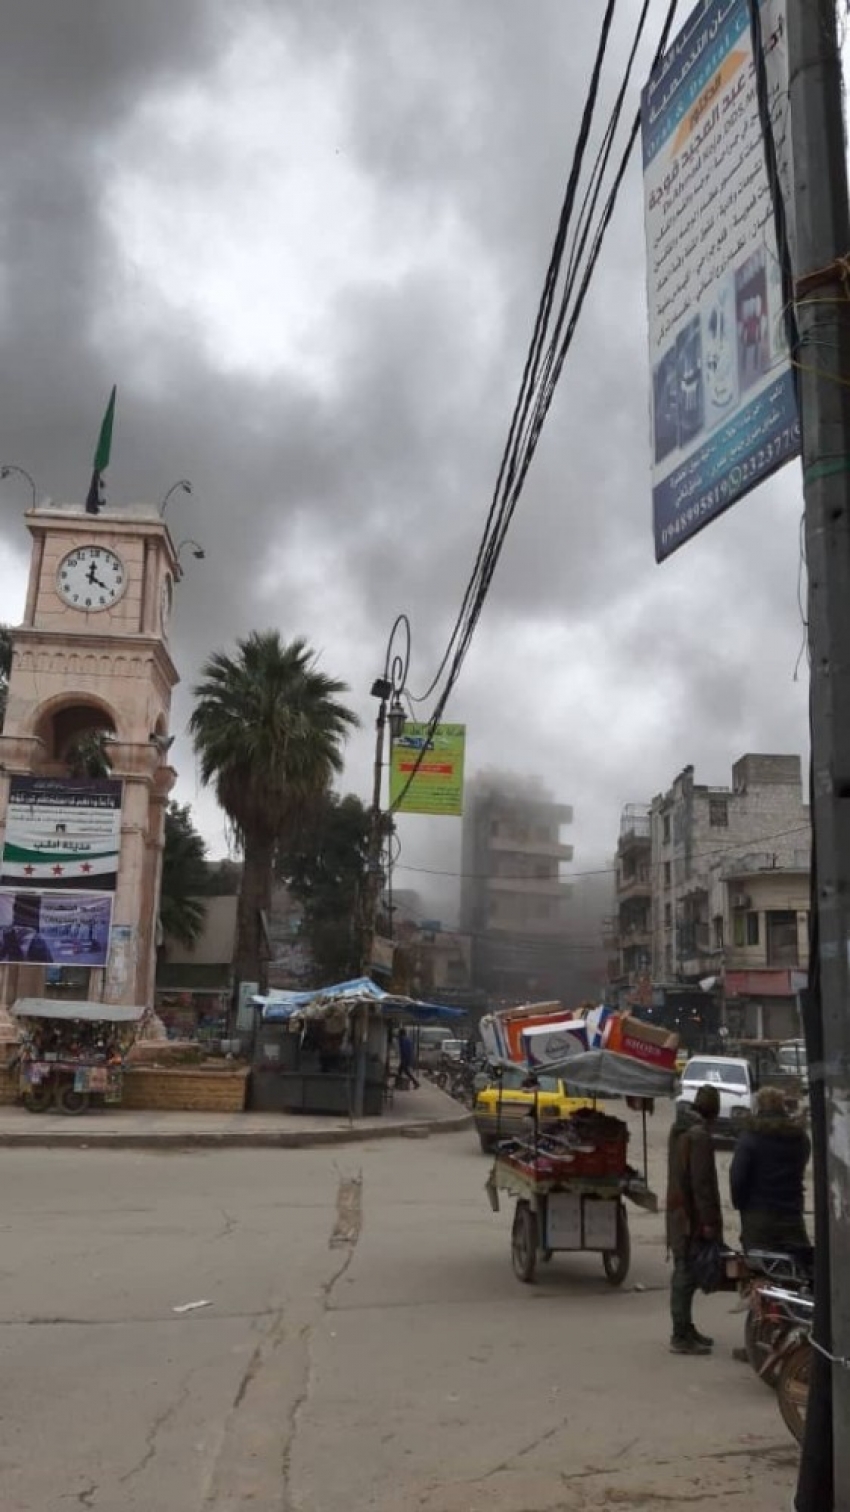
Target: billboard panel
[54, 928]
[722, 401]
[63, 832]
[437, 787]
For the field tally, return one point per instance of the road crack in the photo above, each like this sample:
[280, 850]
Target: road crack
[345, 1235]
[156, 1427]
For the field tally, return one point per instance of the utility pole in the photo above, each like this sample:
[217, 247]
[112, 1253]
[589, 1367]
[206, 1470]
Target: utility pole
[388, 690]
[822, 298]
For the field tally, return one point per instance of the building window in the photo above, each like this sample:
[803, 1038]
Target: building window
[718, 813]
[752, 929]
[739, 932]
[668, 874]
[668, 915]
[666, 829]
[718, 931]
[781, 930]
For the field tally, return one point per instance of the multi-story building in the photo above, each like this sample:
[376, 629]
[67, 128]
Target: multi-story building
[729, 871]
[630, 929]
[513, 897]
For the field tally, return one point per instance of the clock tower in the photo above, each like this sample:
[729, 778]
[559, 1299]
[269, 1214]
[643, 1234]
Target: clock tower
[92, 655]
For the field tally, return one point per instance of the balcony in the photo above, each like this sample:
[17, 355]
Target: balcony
[524, 887]
[635, 822]
[555, 850]
[636, 886]
[636, 935]
[765, 861]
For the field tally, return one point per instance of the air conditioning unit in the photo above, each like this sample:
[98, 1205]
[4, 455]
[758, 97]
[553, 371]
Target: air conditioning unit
[741, 900]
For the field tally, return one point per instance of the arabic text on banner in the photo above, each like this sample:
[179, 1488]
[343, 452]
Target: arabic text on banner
[63, 833]
[722, 392]
[437, 787]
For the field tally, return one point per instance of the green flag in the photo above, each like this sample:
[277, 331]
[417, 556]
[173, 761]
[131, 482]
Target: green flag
[101, 456]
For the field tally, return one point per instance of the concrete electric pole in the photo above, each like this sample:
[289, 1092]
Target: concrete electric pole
[820, 252]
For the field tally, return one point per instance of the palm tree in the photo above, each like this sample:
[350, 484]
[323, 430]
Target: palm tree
[268, 728]
[182, 912]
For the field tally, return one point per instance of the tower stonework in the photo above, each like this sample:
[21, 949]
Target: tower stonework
[92, 655]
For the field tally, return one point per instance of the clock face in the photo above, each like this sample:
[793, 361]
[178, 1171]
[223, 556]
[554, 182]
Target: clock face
[91, 578]
[166, 595]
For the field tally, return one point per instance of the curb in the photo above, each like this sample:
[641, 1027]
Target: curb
[288, 1139]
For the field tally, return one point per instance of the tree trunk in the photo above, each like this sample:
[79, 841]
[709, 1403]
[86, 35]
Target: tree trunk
[251, 964]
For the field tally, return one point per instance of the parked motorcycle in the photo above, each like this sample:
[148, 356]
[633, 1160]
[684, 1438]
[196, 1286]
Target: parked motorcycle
[794, 1353]
[768, 1323]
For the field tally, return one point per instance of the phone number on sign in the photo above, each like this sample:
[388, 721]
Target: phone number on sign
[734, 481]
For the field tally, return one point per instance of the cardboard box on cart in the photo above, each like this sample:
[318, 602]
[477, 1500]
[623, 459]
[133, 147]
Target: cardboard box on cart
[494, 1028]
[647, 1042]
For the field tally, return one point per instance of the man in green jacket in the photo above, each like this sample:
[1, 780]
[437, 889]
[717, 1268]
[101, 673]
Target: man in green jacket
[693, 1210]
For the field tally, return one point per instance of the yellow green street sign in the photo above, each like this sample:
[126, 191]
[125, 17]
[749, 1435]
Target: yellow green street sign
[437, 787]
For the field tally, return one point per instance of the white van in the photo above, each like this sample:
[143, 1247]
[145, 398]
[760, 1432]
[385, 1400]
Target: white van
[734, 1081]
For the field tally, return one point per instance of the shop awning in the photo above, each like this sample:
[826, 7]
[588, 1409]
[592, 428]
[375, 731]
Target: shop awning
[90, 1013]
[279, 1006]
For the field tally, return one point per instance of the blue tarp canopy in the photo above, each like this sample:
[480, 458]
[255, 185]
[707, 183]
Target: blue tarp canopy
[279, 1006]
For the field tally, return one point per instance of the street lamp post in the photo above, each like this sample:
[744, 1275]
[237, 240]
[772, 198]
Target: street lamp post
[388, 690]
[9, 468]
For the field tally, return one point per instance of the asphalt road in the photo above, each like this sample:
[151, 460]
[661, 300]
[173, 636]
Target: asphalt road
[366, 1347]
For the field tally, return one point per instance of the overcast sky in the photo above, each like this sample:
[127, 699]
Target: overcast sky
[307, 240]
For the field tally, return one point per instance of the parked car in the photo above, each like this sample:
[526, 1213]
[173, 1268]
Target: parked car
[554, 1100]
[453, 1049]
[732, 1076]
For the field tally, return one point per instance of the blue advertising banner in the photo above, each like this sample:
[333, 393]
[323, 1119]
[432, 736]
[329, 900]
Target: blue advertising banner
[723, 408]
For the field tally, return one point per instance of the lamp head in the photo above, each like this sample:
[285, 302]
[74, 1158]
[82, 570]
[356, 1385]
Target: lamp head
[396, 719]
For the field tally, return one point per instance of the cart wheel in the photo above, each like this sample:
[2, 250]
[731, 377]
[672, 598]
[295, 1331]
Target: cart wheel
[38, 1099]
[792, 1388]
[524, 1242]
[73, 1102]
[616, 1262]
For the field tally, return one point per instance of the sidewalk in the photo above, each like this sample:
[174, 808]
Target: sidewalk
[414, 1114]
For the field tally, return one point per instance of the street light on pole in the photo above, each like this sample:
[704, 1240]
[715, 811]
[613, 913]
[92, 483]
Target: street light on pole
[388, 690]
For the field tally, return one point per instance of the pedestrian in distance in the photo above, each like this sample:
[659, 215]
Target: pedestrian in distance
[404, 1075]
[693, 1211]
[767, 1175]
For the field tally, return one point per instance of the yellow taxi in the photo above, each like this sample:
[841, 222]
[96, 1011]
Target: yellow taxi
[494, 1122]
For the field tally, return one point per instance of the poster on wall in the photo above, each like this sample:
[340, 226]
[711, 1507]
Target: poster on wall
[723, 408]
[63, 833]
[437, 787]
[54, 928]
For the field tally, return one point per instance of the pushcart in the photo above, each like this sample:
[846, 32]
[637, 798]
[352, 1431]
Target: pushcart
[571, 1191]
[72, 1053]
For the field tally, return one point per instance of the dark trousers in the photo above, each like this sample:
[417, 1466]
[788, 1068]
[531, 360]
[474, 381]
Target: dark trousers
[682, 1288]
[404, 1076]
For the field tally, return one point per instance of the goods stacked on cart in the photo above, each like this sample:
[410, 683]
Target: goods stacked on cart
[544, 1038]
[542, 1035]
[589, 1144]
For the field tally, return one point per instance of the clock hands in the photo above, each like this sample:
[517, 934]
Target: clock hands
[93, 578]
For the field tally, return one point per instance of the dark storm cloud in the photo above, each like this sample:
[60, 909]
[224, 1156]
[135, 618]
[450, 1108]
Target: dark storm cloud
[327, 504]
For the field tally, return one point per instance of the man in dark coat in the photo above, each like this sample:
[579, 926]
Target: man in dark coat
[767, 1174]
[693, 1210]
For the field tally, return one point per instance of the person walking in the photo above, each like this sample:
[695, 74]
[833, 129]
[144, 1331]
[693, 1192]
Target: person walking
[404, 1075]
[693, 1211]
[767, 1176]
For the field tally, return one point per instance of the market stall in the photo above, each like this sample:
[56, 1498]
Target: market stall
[72, 1052]
[326, 1051]
[571, 1179]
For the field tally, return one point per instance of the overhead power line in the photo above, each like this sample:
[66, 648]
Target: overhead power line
[550, 343]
